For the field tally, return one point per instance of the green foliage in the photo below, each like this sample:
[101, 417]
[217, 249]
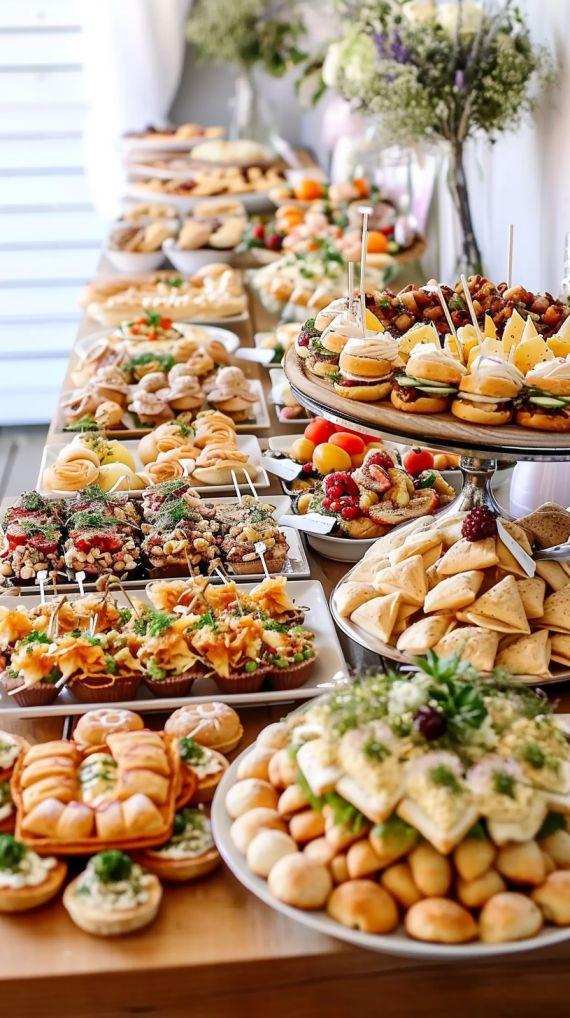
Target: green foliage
[248, 32]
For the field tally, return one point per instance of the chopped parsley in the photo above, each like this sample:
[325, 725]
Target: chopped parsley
[165, 361]
[376, 750]
[504, 784]
[90, 519]
[35, 636]
[112, 866]
[444, 777]
[533, 755]
[176, 283]
[207, 619]
[85, 423]
[11, 853]
[154, 623]
[155, 671]
[190, 751]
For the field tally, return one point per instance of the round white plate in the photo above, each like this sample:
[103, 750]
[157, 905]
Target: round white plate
[230, 339]
[254, 201]
[320, 922]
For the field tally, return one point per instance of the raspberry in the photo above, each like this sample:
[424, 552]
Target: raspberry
[479, 523]
[380, 459]
[339, 479]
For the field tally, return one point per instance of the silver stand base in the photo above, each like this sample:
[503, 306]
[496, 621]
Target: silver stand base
[476, 490]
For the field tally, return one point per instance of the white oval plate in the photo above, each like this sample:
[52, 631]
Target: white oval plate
[393, 943]
[230, 339]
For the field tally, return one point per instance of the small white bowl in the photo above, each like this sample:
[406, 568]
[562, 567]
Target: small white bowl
[135, 261]
[340, 549]
[189, 262]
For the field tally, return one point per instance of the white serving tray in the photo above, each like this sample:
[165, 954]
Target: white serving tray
[254, 201]
[277, 377]
[393, 943]
[84, 344]
[329, 669]
[245, 443]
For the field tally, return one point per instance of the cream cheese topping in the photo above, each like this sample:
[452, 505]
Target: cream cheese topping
[380, 346]
[9, 749]
[492, 367]
[117, 895]
[557, 368]
[430, 351]
[30, 871]
[195, 840]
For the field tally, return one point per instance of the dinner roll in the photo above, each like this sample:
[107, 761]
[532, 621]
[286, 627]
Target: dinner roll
[244, 829]
[398, 880]
[93, 728]
[339, 835]
[275, 736]
[431, 871]
[291, 800]
[474, 893]
[266, 849]
[282, 769]
[211, 724]
[339, 868]
[558, 847]
[256, 763]
[361, 860]
[299, 881]
[509, 916]
[473, 857]
[248, 794]
[440, 921]
[391, 841]
[307, 825]
[320, 850]
[522, 863]
[363, 905]
[549, 864]
[554, 897]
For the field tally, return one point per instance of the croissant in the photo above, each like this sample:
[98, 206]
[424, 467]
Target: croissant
[73, 476]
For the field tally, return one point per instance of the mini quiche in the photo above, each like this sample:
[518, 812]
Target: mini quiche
[112, 896]
[189, 854]
[26, 879]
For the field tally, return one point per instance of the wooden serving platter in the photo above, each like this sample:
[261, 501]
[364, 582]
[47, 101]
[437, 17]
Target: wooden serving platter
[441, 430]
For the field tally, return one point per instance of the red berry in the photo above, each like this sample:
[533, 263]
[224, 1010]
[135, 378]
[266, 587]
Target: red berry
[258, 231]
[380, 459]
[335, 491]
[416, 460]
[430, 723]
[274, 241]
[336, 505]
[307, 468]
[343, 481]
[480, 522]
[350, 512]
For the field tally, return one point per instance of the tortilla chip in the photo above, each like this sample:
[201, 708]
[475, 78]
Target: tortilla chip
[454, 592]
[560, 648]
[548, 525]
[405, 611]
[507, 560]
[528, 655]
[378, 616]
[351, 595]
[407, 578]
[554, 574]
[532, 591]
[556, 613]
[477, 646]
[367, 569]
[417, 544]
[500, 608]
[466, 555]
[421, 636]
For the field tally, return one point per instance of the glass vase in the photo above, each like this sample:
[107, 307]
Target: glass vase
[469, 260]
[250, 114]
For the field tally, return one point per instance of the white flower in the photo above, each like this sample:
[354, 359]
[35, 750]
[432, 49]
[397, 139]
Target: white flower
[421, 12]
[407, 695]
[332, 65]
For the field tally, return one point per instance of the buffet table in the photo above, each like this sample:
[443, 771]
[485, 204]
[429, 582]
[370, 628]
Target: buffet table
[216, 950]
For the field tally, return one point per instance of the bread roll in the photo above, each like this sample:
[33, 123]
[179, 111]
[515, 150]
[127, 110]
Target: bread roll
[473, 857]
[431, 871]
[291, 800]
[440, 921]
[398, 880]
[521, 863]
[554, 897]
[43, 818]
[307, 825]
[215, 725]
[266, 849]
[363, 905]
[149, 758]
[474, 893]
[141, 816]
[256, 763]
[75, 823]
[558, 847]
[275, 736]
[244, 829]
[391, 842]
[153, 785]
[248, 794]
[59, 747]
[339, 868]
[320, 850]
[282, 770]
[109, 822]
[56, 766]
[361, 860]
[299, 881]
[55, 787]
[509, 916]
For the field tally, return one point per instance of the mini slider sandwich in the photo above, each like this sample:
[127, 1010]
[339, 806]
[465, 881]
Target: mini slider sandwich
[546, 403]
[367, 366]
[325, 349]
[487, 392]
[432, 377]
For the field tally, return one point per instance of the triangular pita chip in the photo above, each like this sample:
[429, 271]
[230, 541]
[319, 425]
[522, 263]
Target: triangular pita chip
[553, 572]
[416, 544]
[396, 537]
[507, 560]
[421, 636]
[466, 555]
[404, 613]
[560, 648]
[365, 570]
[432, 576]
[407, 578]
[477, 646]
[351, 595]
[450, 529]
[532, 591]
[454, 592]
[556, 613]
[500, 608]
[548, 525]
[527, 655]
[378, 616]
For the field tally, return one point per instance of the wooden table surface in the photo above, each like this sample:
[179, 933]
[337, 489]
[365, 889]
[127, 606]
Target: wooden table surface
[216, 951]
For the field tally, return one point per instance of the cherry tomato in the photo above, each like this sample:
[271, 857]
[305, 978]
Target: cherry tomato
[319, 431]
[416, 460]
[352, 444]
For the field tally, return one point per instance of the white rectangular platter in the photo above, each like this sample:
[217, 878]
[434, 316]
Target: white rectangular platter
[329, 670]
[277, 377]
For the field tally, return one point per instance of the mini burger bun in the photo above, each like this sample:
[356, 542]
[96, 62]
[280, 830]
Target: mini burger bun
[433, 370]
[302, 351]
[422, 405]
[550, 386]
[365, 393]
[543, 422]
[320, 368]
[333, 341]
[482, 385]
[368, 367]
[479, 414]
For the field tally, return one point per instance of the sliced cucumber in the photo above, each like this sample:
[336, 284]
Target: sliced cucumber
[405, 381]
[547, 401]
[433, 390]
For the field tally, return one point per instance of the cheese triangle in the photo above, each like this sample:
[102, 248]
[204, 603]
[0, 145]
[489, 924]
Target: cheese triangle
[454, 592]
[421, 636]
[465, 555]
[557, 611]
[474, 645]
[512, 332]
[532, 590]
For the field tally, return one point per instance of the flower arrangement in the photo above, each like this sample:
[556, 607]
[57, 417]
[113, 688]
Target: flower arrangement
[438, 72]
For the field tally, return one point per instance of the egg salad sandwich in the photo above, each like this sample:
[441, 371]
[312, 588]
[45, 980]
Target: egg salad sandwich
[367, 365]
[431, 378]
[487, 391]
[546, 403]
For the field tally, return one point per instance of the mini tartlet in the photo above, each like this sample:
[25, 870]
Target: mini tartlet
[112, 896]
[27, 880]
[207, 765]
[190, 853]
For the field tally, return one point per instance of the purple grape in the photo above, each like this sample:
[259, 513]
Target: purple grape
[430, 723]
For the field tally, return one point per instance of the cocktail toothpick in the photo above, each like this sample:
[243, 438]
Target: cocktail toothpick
[351, 290]
[510, 255]
[449, 321]
[236, 486]
[365, 211]
[79, 578]
[261, 548]
[251, 484]
[471, 309]
[41, 578]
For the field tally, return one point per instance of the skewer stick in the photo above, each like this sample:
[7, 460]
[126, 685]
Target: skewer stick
[79, 578]
[261, 548]
[449, 321]
[471, 309]
[236, 486]
[41, 578]
[251, 484]
[510, 255]
[221, 575]
[351, 291]
[365, 211]
[116, 485]
[53, 625]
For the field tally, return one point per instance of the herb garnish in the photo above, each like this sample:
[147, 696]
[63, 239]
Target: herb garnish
[444, 777]
[504, 784]
[112, 866]
[11, 853]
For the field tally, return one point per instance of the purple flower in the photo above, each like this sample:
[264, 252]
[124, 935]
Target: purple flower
[460, 81]
[391, 48]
